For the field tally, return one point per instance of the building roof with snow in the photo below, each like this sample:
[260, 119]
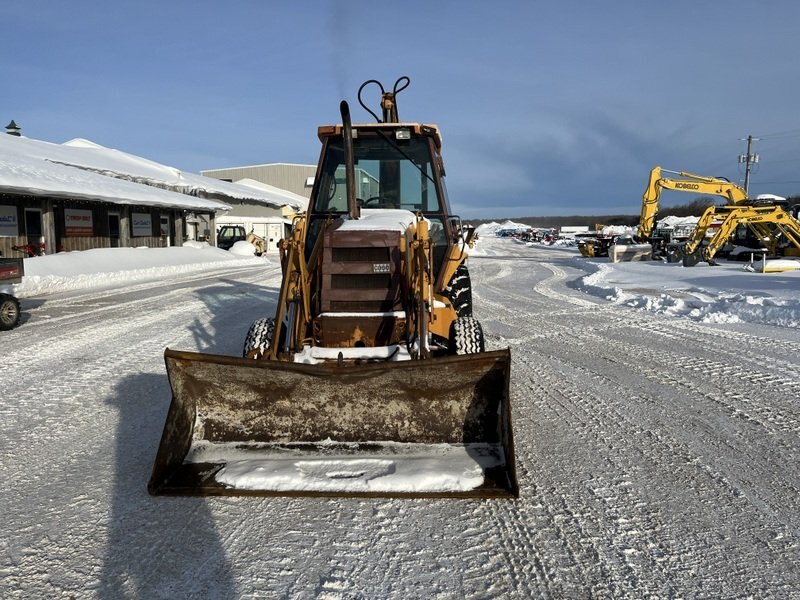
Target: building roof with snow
[84, 170]
[297, 201]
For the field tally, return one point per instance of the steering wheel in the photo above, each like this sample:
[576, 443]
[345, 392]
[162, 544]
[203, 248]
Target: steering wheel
[366, 203]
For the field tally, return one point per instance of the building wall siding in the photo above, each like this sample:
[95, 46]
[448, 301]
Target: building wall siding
[251, 209]
[54, 234]
[284, 176]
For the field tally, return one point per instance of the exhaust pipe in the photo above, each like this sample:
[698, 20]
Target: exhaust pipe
[349, 162]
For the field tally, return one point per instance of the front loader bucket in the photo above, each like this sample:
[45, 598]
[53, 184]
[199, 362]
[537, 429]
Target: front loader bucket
[426, 428]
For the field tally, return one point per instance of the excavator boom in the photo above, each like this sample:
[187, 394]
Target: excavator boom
[697, 184]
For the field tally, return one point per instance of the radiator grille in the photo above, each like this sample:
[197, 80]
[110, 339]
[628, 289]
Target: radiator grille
[372, 281]
[365, 306]
[367, 254]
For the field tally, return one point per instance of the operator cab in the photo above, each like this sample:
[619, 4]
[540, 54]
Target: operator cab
[396, 166]
[393, 169]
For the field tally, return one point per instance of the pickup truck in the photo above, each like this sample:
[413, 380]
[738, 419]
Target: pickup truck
[11, 271]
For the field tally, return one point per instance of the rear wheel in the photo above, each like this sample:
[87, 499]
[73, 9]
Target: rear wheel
[466, 336]
[259, 337]
[9, 312]
[459, 290]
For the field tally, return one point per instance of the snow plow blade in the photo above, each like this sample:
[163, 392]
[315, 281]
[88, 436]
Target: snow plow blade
[428, 428]
[630, 252]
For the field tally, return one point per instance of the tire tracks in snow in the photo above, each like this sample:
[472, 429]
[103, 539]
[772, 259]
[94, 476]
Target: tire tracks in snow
[100, 354]
[599, 374]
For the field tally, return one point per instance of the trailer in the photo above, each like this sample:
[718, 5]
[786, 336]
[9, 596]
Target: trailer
[11, 272]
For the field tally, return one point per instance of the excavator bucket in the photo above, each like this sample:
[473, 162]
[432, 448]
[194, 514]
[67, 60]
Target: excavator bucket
[425, 428]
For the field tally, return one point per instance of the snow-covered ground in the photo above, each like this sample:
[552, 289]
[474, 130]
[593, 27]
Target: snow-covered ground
[117, 267]
[657, 450]
[725, 293]
[729, 292]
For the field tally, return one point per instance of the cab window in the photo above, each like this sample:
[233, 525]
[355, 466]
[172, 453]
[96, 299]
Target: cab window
[389, 174]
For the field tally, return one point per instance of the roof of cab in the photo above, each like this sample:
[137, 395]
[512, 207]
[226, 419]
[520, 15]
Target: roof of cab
[325, 131]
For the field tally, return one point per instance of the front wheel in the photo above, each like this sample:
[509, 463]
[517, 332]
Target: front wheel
[9, 312]
[466, 336]
[259, 338]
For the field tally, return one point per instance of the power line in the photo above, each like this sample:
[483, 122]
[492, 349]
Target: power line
[790, 133]
[785, 160]
[773, 182]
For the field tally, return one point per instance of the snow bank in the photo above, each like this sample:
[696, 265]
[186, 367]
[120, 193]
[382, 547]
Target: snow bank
[116, 267]
[729, 292]
[243, 248]
[726, 293]
[380, 219]
[487, 229]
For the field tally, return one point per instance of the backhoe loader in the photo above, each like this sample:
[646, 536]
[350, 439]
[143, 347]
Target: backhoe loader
[372, 378]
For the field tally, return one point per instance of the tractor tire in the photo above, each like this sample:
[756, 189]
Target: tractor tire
[459, 290]
[259, 336]
[466, 336]
[9, 312]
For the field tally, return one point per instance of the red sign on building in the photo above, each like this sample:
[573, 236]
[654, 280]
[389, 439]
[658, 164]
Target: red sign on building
[78, 222]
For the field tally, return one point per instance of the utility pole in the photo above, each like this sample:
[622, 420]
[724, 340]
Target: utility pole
[748, 159]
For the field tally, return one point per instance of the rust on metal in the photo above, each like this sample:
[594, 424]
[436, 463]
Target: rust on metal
[458, 400]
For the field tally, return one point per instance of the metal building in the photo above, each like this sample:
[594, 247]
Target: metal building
[292, 177]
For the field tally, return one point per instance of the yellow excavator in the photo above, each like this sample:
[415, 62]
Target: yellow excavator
[771, 225]
[769, 222]
[697, 184]
[372, 378]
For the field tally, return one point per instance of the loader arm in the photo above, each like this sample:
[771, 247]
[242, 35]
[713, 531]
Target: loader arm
[293, 313]
[434, 312]
[419, 282]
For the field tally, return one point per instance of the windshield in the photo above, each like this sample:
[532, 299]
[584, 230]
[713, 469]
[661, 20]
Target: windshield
[389, 174]
[230, 232]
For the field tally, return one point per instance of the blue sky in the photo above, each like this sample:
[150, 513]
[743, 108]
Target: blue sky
[545, 108]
